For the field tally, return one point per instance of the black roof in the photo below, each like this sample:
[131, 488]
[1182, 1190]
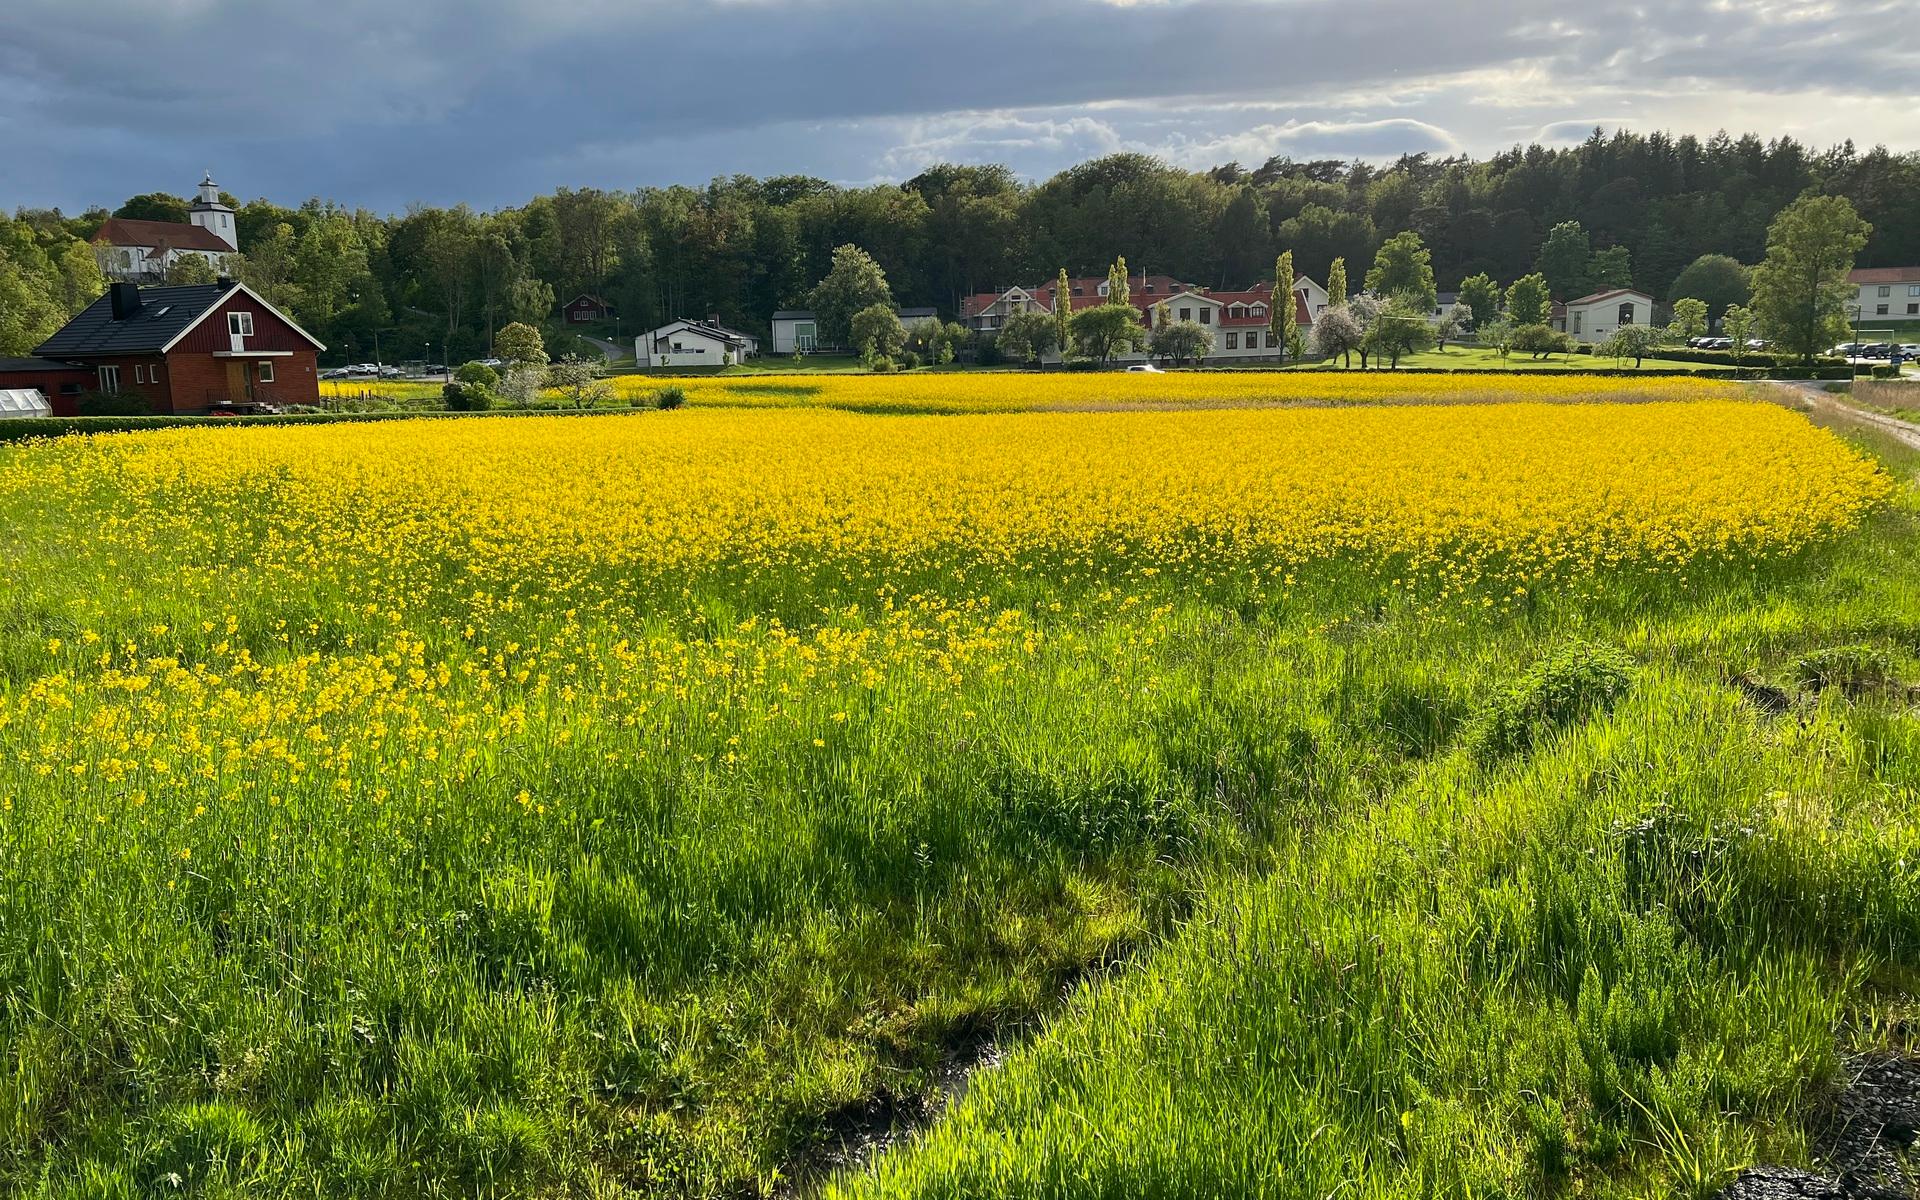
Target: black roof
[164, 313]
[37, 365]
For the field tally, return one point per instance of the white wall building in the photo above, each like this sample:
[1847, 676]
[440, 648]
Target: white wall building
[797, 331]
[1595, 318]
[1240, 321]
[1886, 293]
[144, 251]
[682, 344]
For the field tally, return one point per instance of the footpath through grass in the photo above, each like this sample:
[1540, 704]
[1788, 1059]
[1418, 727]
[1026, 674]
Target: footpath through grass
[644, 806]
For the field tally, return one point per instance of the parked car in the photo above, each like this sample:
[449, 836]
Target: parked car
[1143, 369]
[1877, 350]
[391, 372]
[1910, 350]
[1848, 349]
[248, 408]
[334, 373]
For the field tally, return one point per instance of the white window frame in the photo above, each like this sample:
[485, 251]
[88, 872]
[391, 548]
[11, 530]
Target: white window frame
[153, 373]
[240, 324]
[109, 376]
[139, 373]
[1886, 290]
[266, 371]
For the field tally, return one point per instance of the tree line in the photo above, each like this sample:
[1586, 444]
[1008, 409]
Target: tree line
[1619, 209]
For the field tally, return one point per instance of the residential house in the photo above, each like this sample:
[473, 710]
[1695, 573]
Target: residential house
[62, 383]
[797, 331]
[683, 344]
[143, 251]
[1594, 318]
[190, 349]
[1888, 293]
[586, 308]
[1240, 319]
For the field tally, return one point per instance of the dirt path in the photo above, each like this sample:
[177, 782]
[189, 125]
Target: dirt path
[1827, 408]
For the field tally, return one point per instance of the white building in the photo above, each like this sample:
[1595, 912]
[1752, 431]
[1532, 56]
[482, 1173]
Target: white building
[796, 331]
[144, 251]
[681, 344]
[1595, 318]
[1889, 293]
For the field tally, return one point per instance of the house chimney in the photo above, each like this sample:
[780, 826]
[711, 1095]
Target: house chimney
[225, 281]
[125, 298]
[713, 318]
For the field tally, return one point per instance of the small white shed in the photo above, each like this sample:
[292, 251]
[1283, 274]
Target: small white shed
[23, 402]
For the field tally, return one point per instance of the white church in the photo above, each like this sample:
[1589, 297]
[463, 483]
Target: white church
[144, 251]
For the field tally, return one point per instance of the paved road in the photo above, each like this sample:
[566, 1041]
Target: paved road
[609, 350]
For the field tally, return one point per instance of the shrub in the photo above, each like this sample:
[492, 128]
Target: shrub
[1575, 682]
[1854, 670]
[113, 404]
[1887, 372]
[670, 397]
[1539, 340]
[468, 397]
[909, 360]
[478, 373]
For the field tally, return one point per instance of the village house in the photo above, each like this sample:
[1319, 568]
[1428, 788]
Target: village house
[59, 384]
[585, 308]
[1240, 319]
[681, 344]
[1891, 292]
[190, 349]
[1595, 318]
[144, 251]
[796, 331]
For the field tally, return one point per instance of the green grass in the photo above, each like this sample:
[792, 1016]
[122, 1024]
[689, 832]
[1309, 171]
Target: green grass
[1262, 899]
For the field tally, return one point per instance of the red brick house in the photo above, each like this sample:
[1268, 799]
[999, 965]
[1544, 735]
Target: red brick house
[191, 349]
[584, 308]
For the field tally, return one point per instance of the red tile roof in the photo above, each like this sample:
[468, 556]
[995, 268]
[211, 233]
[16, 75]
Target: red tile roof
[1164, 287]
[119, 231]
[1884, 275]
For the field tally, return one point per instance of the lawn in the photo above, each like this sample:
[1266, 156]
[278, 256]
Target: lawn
[1281, 799]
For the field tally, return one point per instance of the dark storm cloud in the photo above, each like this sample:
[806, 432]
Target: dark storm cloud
[386, 103]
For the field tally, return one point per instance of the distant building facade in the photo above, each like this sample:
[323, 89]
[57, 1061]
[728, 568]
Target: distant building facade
[797, 331]
[1889, 292]
[1595, 318]
[1240, 320]
[684, 344]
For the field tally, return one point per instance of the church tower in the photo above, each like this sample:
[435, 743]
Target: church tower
[210, 214]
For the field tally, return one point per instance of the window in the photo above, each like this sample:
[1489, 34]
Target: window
[1233, 341]
[266, 372]
[109, 379]
[153, 373]
[139, 374]
[1273, 343]
[1879, 310]
[1259, 310]
[1626, 313]
[1912, 309]
[1186, 314]
[1206, 316]
[1885, 290]
[1913, 289]
[240, 324]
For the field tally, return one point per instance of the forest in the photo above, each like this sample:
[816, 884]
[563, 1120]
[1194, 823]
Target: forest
[438, 280]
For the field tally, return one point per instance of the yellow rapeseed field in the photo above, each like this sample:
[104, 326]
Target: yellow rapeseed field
[960, 392]
[1007, 392]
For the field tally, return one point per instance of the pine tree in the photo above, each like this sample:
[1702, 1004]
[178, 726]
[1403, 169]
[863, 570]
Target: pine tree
[1337, 283]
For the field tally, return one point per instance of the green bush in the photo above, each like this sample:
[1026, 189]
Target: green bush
[670, 397]
[1575, 682]
[113, 404]
[478, 373]
[468, 397]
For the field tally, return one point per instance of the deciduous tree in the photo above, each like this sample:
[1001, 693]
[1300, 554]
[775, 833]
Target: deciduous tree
[1337, 283]
[1027, 336]
[1716, 278]
[1337, 332]
[1481, 295]
[1689, 319]
[1403, 270]
[853, 284]
[1528, 302]
[1563, 262]
[877, 334]
[1800, 290]
[1105, 330]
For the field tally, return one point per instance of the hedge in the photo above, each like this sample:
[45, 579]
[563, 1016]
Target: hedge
[1721, 358]
[19, 429]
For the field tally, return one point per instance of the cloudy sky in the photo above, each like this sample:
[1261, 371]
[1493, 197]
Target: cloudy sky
[386, 102]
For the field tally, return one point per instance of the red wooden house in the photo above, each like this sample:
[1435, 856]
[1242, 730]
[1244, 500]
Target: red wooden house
[191, 349]
[584, 308]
